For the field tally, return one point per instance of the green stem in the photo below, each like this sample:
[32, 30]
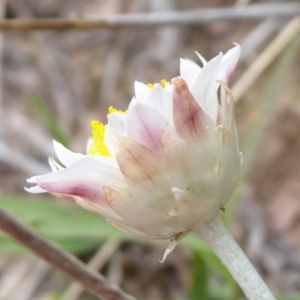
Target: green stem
[225, 247]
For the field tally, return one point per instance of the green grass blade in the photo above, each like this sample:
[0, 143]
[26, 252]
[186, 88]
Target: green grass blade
[291, 297]
[199, 288]
[49, 118]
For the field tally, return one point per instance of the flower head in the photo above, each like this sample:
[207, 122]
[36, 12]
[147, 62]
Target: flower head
[165, 165]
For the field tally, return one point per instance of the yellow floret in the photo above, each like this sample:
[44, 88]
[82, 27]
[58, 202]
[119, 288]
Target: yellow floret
[150, 85]
[112, 110]
[164, 82]
[98, 146]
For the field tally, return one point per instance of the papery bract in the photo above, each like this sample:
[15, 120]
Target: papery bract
[164, 166]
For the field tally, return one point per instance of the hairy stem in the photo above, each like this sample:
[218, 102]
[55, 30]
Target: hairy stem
[225, 247]
[69, 264]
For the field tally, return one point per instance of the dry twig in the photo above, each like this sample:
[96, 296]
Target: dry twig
[95, 264]
[251, 12]
[70, 265]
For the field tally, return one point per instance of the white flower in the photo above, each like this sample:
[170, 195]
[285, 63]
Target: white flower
[164, 166]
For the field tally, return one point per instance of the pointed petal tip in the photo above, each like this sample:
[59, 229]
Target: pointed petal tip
[174, 241]
[55, 142]
[202, 59]
[32, 179]
[34, 190]
[56, 145]
[237, 48]
[169, 249]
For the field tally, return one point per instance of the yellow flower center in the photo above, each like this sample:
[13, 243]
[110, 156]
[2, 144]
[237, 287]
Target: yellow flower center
[98, 146]
[112, 110]
[163, 82]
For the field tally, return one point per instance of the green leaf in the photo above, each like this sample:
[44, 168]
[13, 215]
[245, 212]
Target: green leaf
[211, 280]
[70, 226]
[51, 121]
[199, 281]
[289, 297]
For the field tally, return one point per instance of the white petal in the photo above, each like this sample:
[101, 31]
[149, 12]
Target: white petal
[204, 89]
[32, 179]
[66, 156]
[34, 190]
[117, 123]
[117, 126]
[189, 71]
[160, 99]
[228, 63]
[142, 91]
[91, 169]
[54, 165]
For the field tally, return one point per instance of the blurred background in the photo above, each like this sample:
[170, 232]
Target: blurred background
[52, 83]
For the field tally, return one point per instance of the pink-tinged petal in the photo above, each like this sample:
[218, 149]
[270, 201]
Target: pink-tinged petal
[144, 125]
[83, 180]
[141, 217]
[71, 187]
[145, 174]
[65, 156]
[88, 196]
[205, 87]
[189, 71]
[228, 63]
[190, 121]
